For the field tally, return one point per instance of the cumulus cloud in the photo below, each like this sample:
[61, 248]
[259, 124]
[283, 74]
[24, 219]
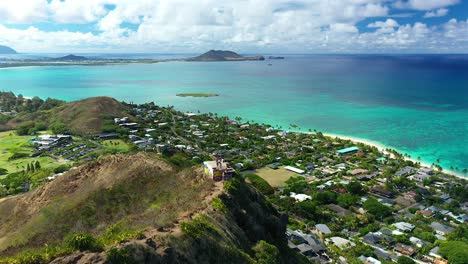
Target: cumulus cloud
[436, 13]
[380, 24]
[425, 4]
[245, 26]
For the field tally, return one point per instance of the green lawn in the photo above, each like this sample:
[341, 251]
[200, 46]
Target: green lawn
[11, 143]
[277, 177]
[116, 145]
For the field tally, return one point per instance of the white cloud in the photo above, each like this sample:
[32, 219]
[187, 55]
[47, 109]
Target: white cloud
[436, 13]
[425, 4]
[343, 28]
[244, 26]
[457, 30]
[380, 24]
[23, 11]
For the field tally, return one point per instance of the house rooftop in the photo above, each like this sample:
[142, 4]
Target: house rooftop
[323, 228]
[347, 150]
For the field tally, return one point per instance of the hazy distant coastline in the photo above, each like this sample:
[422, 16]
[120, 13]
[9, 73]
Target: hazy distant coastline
[75, 60]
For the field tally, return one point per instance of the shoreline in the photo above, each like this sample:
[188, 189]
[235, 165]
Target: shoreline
[381, 147]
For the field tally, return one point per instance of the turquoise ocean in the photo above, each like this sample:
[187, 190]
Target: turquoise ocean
[416, 104]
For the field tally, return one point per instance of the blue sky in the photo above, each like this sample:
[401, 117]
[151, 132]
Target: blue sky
[247, 26]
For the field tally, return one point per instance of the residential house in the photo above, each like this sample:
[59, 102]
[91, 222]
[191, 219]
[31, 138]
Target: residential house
[404, 226]
[299, 197]
[442, 229]
[404, 249]
[338, 209]
[340, 242]
[218, 169]
[405, 171]
[322, 229]
[377, 239]
[369, 260]
[381, 192]
[348, 151]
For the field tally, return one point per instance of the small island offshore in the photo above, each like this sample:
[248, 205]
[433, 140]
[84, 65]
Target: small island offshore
[197, 95]
[71, 59]
[126, 182]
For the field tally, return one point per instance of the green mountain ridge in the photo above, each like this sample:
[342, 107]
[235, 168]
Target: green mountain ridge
[139, 208]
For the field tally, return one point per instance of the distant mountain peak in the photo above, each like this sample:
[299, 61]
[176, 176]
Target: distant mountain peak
[223, 55]
[72, 57]
[7, 50]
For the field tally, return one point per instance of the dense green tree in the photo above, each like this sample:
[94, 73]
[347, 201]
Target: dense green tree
[58, 128]
[37, 165]
[376, 208]
[325, 197]
[346, 200]
[355, 187]
[456, 252]
[405, 260]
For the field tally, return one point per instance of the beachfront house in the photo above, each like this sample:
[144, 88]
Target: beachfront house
[348, 151]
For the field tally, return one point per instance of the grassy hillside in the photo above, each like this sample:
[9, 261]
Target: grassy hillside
[80, 117]
[88, 115]
[140, 209]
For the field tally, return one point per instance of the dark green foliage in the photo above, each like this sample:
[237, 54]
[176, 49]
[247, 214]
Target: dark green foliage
[198, 226]
[82, 242]
[355, 187]
[30, 128]
[295, 184]
[266, 253]
[18, 155]
[456, 252]
[109, 126]
[120, 256]
[180, 160]
[376, 208]
[218, 205]
[346, 200]
[260, 184]
[428, 236]
[3, 171]
[61, 168]
[460, 233]
[3, 191]
[59, 128]
[232, 186]
[403, 239]
[405, 260]
[325, 197]
[37, 165]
